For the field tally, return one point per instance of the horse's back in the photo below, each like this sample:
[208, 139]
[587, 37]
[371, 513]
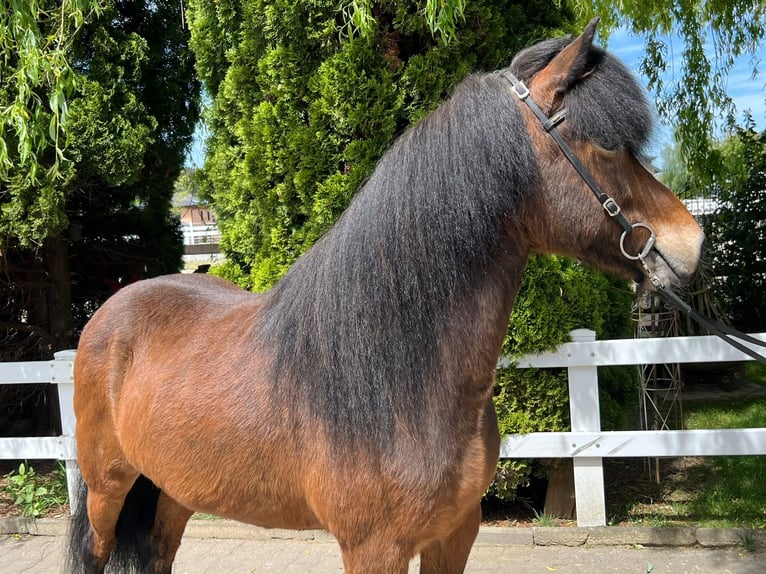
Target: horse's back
[162, 304]
[153, 322]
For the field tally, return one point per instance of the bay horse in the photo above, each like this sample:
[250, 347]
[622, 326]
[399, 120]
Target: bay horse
[356, 394]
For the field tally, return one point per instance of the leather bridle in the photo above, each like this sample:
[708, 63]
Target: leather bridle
[612, 208]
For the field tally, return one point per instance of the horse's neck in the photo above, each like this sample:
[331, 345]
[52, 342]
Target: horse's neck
[479, 323]
[460, 404]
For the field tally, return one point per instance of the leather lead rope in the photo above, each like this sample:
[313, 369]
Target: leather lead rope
[735, 338]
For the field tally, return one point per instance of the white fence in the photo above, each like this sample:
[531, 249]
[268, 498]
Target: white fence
[586, 444]
[201, 234]
[57, 372]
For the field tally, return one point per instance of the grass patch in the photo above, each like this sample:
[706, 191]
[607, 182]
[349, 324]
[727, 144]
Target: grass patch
[35, 494]
[732, 492]
[725, 414]
[719, 491]
[544, 519]
[755, 372]
[748, 541]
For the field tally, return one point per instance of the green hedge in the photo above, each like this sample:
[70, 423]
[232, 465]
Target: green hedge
[300, 114]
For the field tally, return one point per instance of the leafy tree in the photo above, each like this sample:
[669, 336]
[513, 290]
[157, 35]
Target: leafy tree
[36, 80]
[443, 17]
[675, 173]
[72, 234]
[130, 128]
[737, 231]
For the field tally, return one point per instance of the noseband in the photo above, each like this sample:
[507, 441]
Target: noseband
[612, 209]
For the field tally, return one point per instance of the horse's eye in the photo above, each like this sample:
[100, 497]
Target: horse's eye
[607, 145]
[607, 151]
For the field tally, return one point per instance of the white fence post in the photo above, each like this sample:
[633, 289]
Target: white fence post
[585, 416]
[63, 377]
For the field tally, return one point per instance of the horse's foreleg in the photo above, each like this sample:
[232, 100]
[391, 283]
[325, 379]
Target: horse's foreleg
[450, 556]
[165, 536]
[374, 556]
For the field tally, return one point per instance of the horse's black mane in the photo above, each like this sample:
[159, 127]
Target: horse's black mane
[358, 319]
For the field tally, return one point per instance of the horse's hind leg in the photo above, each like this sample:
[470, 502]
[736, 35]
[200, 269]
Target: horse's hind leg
[450, 556]
[165, 536]
[149, 534]
[105, 500]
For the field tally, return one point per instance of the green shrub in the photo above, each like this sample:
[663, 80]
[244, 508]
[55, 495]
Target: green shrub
[33, 493]
[301, 113]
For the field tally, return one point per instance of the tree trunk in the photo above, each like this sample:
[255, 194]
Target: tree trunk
[560, 496]
[60, 321]
[59, 293]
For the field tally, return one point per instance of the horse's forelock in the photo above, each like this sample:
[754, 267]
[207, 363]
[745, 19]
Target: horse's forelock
[607, 107]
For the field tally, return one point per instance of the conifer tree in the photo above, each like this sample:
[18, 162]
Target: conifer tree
[304, 105]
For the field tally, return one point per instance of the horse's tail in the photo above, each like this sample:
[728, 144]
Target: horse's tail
[131, 552]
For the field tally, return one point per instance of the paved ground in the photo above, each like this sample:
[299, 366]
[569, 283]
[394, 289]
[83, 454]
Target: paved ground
[244, 550]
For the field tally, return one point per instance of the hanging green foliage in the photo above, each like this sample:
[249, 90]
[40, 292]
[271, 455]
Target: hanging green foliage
[36, 84]
[689, 78]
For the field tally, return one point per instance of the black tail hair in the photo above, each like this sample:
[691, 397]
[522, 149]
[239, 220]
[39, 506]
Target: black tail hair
[132, 554]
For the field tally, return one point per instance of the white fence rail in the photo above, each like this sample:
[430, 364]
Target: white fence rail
[57, 372]
[586, 444]
[201, 234]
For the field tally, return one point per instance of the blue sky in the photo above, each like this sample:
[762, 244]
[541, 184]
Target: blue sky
[195, 157]
[747, 93]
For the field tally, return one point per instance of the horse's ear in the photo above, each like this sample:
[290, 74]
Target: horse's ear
[571, 64]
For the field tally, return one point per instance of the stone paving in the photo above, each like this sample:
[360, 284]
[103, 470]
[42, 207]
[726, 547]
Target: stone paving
[223, 547]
